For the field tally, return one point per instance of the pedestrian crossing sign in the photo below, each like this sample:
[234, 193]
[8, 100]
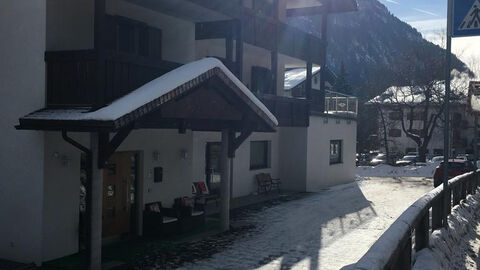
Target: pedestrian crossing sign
[466, 18]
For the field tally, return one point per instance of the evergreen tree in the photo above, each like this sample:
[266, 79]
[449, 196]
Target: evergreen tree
[341, 85]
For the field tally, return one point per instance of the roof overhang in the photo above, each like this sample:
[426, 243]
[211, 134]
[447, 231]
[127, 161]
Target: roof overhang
[319, 7]
[202, 95]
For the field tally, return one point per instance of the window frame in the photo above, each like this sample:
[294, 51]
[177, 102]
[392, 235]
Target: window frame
[267, 155]
[339, 158]
[392, 134]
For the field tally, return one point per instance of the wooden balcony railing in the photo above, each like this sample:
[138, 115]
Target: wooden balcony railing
[72, 76]
[393, 250]
[290, 112]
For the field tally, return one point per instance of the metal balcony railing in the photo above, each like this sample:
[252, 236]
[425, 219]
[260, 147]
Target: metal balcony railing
[338, 103]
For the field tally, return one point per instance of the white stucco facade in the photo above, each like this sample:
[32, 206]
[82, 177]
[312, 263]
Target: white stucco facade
[22, 88]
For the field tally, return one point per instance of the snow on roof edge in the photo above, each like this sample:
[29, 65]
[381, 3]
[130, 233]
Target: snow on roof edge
[152, 90]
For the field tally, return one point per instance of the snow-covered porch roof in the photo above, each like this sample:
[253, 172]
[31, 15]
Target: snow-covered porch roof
[201, 95]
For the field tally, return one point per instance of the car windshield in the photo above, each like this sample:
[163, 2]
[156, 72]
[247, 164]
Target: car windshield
[455, 165]
[409, 158]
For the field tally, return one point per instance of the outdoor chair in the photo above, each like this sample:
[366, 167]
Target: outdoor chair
[265, 183]
[202, 193]
[158, 220]
[192, 215]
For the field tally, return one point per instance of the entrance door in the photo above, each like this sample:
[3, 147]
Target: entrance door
[212, 166]
[118, 193]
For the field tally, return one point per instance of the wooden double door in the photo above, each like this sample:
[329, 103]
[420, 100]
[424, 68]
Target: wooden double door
[119, 194]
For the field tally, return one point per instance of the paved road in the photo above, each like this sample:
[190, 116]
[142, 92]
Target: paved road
[325, 230]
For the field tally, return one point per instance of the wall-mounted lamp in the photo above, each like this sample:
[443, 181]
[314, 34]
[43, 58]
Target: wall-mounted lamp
[64, 159]
[183, 154]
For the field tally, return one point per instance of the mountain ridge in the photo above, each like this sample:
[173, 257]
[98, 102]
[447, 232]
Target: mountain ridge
[370, 41]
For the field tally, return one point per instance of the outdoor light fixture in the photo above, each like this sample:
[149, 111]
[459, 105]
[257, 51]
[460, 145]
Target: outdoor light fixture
[183, 154]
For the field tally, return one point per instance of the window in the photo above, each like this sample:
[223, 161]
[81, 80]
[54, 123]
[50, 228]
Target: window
[335, 151]
[262, 80]
[259, 155]
[394, 115]
[395, 132]
[416, 116]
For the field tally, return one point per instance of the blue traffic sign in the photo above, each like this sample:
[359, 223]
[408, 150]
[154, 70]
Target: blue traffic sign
[466, 18]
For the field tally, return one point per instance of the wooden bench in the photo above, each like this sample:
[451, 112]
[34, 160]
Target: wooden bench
[265, 183]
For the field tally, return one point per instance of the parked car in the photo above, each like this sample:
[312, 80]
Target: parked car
[455, 167]
[468, 157]
[437, 159]
[379, 159]
[363, 159]
[407, 160]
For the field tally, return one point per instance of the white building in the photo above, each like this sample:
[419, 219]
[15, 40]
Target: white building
[65, 63]
[462, 137]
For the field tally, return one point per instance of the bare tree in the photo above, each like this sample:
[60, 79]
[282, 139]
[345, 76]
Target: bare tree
[420, 99]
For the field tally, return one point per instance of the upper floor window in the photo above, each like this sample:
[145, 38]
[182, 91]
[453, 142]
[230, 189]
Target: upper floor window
[262, 80]
[394, 132]
[394, 115]
[259, 155]
[414, 116]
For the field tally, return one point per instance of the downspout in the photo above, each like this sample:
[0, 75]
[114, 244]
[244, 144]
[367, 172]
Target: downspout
[88, 199]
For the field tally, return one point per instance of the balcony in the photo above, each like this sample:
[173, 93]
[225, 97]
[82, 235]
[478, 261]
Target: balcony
[132, 56]
[334, 103]
[261, 32]
[290, 112]
[72, 76]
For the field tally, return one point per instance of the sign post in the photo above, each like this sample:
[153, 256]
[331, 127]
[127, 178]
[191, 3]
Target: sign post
[463, 20]
[446, 132]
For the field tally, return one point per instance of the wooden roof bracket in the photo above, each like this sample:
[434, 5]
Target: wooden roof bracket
[107, 147]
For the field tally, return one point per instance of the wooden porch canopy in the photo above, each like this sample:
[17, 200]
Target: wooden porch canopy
[203, 95]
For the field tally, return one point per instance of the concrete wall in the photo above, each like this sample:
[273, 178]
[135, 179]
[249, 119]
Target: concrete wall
[244, 182]
[70, 24]
[293, 158]
[320, 173]
[61, 197]
[22, 88]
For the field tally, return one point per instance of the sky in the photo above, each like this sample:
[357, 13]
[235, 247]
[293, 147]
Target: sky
[429, 17]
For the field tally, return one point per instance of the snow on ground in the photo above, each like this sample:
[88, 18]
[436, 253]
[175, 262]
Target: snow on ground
[325, 230]
[384, 170]
[458, 246]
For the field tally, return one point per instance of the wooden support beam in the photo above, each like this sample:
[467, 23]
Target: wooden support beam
[308, 81]
[239, 50]
[108, 147]
[99, 46]
[229, 50]
[96, 199]
[235, 142]
[323, 55]
[224, 183]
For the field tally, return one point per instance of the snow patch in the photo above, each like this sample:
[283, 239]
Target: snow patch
[384, 170]
[457, 246]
